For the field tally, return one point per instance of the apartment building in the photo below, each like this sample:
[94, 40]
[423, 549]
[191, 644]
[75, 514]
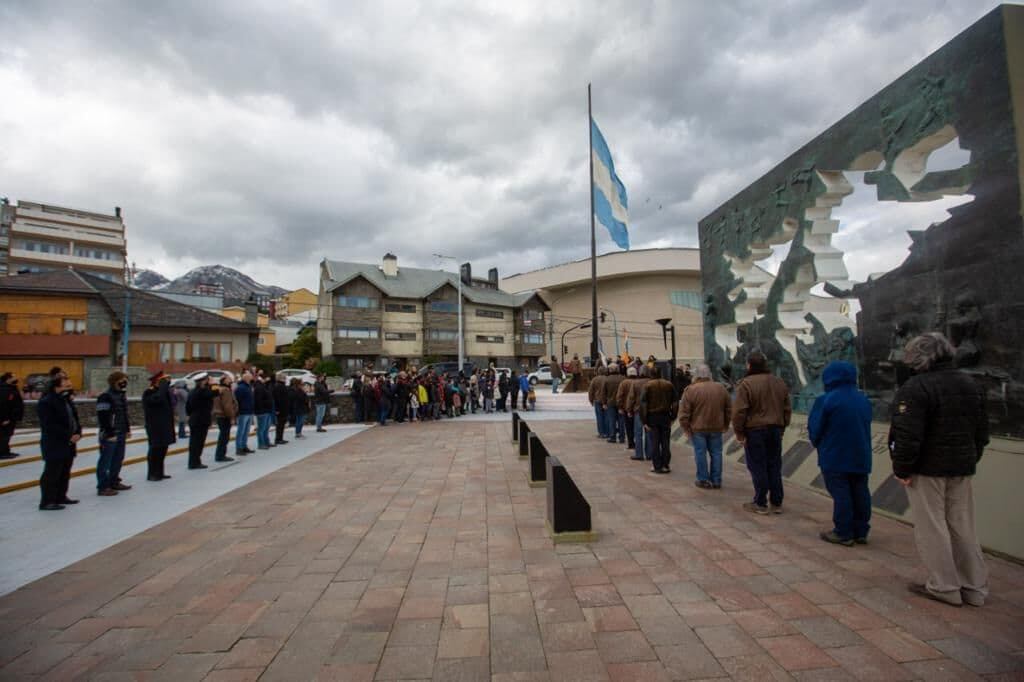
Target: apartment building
[409, 316]
[37, 237]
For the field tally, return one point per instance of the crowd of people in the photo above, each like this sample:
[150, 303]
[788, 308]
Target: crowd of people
[171, 413]
[432, 395]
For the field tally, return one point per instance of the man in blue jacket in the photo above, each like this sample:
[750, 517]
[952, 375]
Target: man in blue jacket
[840, 427]
[246, 411]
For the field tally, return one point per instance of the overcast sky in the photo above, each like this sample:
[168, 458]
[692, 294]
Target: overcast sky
[267, 135]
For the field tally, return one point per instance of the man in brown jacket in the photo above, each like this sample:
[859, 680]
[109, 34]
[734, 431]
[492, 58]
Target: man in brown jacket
[225, 409]
[594, 395]
[760, 414]
[622, 399]
[704, 413]
[641, 439]
[613, 421]
[656, 403]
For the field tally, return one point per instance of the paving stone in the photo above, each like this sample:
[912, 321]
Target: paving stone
[796, 652]
[899, 645]
[571, 636]
[462, 670]
[558, 611]
[610, 619]
[423, 632]
[827, 632]
[868, 663]
[689, 662]
[727, 640]
[978, 657]
[941, 670]
[521, 654]
[407, 662]
[576, 666]
[463, 644]
[624, 647]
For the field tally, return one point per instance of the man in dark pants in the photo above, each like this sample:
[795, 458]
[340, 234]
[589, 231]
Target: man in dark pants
[356, 392]
[12, 409]
[158, 410]
[760, 414]
[60, 432]
[114, 430]
[200, 416]
[282, 408]
[656, 410]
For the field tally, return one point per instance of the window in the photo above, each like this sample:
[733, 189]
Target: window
[225, 352]
[686, 299]
[101, 254]
[353, 365]
[494, 314]
[532, 314]
[357, 333]
[399, 307]
[443, 335]
[399, 336]
[356, 302]
[206, 352]
[74, 326]
[444, 306]
[536, 339]
[172, 352]
[43, 247]
[489, 339]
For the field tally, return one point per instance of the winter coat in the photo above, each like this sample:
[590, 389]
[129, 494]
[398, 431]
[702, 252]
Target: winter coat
[298, 401]
[610, 390]
[12, 407]
[422, 395]
[321, 393]
[58, 422]
[657, 398]
[705, 408]
[939, 424]
[200, 406]
[246, 399]
[159, 415]
[556, 370]
[596, 389]
[524, 383]
[503, 386]
[225, 406]
[262, 398]
[357, 388]
[112, 414]
[840, 423]
[282, 398]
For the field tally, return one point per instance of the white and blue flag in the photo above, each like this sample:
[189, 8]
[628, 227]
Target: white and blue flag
[610, 201]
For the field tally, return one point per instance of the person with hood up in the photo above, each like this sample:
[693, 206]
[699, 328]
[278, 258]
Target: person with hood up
[840, 428]
[114, 430]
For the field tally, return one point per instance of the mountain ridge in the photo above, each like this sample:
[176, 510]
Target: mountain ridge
[237, 285]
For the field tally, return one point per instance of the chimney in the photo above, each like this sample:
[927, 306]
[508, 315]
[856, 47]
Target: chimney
[390, 266]
[466, 273]
[117, 211]
[492, 277]
[252, 311]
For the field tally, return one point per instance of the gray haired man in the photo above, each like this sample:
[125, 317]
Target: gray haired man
[939, 432]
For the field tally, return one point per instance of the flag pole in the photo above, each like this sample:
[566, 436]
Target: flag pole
[593, 239]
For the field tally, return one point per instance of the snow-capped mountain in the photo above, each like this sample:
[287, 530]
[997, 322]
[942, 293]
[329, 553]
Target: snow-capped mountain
[236, 284]
[150, 279]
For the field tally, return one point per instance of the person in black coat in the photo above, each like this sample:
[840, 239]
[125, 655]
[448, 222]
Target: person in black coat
[200, 415]
[60, 431]
[356, 393]
[299, 404]
[503, 389]
[12, 409]
[158, 412]
[401, 406]
[282, 408]
[263, 405]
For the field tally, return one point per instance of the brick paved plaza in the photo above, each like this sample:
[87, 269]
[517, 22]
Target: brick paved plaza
[419, 552]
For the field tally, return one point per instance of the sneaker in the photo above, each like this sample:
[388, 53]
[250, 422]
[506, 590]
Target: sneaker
[923, 591]
[706, 485]
[106, 492]
[831, 536]
[121, 486]
[776, 509]
[755, 508]
[861, 541]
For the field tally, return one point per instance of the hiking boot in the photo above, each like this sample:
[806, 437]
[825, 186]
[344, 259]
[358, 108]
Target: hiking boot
[106, 492]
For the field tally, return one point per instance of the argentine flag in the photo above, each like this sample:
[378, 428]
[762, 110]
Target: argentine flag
[609, 193]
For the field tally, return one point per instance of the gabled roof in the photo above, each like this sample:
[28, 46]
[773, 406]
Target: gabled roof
[146, 309]
[416, 283]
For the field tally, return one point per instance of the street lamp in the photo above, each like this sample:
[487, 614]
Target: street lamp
[664, 322]
[462, 358]
[615, 329]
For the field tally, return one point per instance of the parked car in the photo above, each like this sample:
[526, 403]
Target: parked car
[214, 374]
[506, 370]
[35, 385]
[448, 368]
[305, 375]
[542, 375]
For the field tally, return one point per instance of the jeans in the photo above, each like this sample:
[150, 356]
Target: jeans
[181, 431]
[641, 439]
[242, 432]
[660, 425]
[599, 416]
[108, 468]
[358, 402]
[614, 424]
[764, 461]
[488, 404]
[300, 419]
[263, 429]
[554, 384]
[705, 444]
[851, 503]
[223, 437]
[321, 410]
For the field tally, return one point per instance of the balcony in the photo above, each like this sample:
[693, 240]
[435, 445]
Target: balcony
[530, 350]
[69, 234]
[110, 224]
[341, 346]
[61, 259]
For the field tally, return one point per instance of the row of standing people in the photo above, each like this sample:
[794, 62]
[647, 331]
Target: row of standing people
[433, 396]
[256, 398]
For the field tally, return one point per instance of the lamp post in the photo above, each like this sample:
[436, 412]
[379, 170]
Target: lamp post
[615, 329]
[462, 358]
[664, 322]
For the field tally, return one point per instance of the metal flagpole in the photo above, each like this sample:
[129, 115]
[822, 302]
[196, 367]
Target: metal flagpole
[593, 238]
